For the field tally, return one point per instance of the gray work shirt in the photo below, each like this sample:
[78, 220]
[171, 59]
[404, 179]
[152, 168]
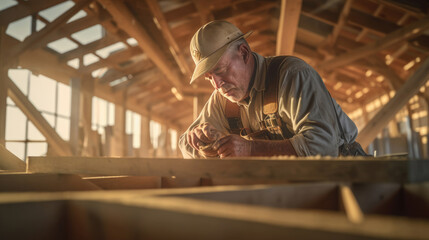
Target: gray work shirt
[305, 108]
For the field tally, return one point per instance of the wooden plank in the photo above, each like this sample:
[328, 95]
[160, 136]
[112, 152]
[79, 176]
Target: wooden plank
[290, 11]
[401, 98]
[60, 146]
[195, 219]
[129, 24]
[407, 32]
[8, 161]
[125, 182]
[22, 182]
[38, 36]
[306, 169]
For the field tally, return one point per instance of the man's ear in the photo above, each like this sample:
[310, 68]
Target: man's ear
[244, 52]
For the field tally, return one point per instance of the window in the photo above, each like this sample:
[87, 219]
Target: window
[132, 126]
[103, 114]
[155, 133]
[51, 98]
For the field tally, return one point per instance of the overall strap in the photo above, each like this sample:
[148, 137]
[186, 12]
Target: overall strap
[270, 96]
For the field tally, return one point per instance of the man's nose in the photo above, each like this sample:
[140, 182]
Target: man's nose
[216, 81]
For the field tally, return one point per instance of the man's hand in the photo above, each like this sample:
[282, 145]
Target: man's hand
[201, 138]
[233, 146]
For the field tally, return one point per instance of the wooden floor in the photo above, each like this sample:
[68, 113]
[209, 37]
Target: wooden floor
[256, 198]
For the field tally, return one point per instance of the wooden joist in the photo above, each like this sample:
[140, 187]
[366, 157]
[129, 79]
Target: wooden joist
[22, 182]
[298, 211]
[24, 9]
[125, 19]
[39, 36]
[407, 32]
[323, 169]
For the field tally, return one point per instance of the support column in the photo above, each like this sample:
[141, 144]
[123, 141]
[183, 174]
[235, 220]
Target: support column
[75, 84]
[119, 138]
[162, 150]
[3, 86]
[146, 148]
[85, 117]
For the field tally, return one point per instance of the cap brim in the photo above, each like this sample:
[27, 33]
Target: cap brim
[206, 64]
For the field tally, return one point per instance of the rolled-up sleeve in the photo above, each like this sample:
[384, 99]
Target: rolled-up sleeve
[306, 105]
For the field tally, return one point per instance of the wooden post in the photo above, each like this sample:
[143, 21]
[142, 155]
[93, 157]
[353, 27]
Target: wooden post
[146, 148]
[162, 150]
[290, 11]
[408, 90]
[85, 119]
[75, 85]
[119, 141]
[3, 86]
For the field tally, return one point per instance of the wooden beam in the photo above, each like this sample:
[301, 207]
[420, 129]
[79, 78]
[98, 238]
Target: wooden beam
[351, 206]
[38, 36]
[341, 22]
[131, 25]
[60, 147]
[8, 161]
[305, 169]
[76, 91]
[125, 182]
[39, 182]
[407, 32]
[3, 85]
[401, 98]
[23, 9]
[166, 31]
[290, 11]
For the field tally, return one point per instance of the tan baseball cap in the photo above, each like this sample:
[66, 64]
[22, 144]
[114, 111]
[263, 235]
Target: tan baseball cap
[210, 42]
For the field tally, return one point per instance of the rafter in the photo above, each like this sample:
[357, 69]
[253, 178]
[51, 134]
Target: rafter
[37, 37]
[165, 29]
[397, 36]
[130, 24]
[24, 9]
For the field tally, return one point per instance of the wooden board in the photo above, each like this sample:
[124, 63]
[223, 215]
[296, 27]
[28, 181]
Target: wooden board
[291, 211]
[39, 182]
[290, 169]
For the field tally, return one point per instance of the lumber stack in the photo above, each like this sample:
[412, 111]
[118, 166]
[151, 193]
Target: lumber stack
[252, 198]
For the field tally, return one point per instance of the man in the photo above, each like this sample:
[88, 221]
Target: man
[302, 119]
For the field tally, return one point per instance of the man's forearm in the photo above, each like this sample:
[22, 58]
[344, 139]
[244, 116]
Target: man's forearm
[272, 148]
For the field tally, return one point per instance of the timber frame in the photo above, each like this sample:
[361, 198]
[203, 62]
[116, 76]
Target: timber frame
[78, 198]
[362, 49]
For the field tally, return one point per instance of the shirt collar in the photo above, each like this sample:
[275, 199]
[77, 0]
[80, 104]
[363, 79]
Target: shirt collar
[257, 81]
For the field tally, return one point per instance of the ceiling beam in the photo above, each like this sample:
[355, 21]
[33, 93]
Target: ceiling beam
[401, 98]
[37, 37]
[124, 18]
[166, 31]
[407, 32]
[290, 11]
[24, 9]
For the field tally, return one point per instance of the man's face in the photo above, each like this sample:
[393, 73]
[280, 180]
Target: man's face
[230, 77]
